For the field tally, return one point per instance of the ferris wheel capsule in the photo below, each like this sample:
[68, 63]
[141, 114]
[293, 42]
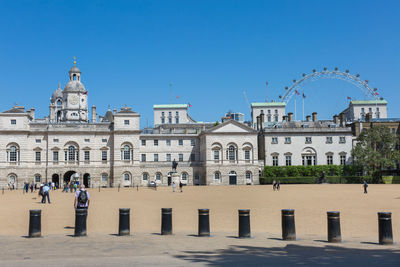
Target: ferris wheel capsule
[325, 68]
[347, 71]
[336, 68]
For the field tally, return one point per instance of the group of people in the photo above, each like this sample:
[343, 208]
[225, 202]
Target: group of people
[72, 186]
[180, 186]
[276, 185]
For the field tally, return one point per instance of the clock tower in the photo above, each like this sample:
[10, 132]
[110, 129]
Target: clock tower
[75, 108]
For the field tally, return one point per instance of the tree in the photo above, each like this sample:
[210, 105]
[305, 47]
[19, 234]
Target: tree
[376, 149]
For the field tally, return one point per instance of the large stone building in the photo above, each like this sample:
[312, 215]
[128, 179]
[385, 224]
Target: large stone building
[113, 150]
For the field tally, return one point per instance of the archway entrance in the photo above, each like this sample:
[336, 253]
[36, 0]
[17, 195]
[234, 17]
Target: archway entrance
[68, 176]
[232, 178]
[86, 180]
[56, 180]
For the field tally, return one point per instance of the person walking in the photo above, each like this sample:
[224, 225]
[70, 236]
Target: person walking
[180, 186]
[46, 189]
[173, 186]
[31, 187]
[274, 185]
[82, 198]
[365, 185]
[278, 185]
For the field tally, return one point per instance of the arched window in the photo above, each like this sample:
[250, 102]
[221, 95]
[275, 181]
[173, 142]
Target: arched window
[127, 152]
[231, 152]
[71, 153]
[12, 178]
[145, 176]
[184, 176]
[217, 176]
[127, 177]
[13, 153]
[158, 176]
[59, 103]
[248, 175]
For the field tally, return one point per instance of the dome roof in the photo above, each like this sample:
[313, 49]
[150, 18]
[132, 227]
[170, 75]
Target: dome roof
[74, 69]
[56, 94]
[74, 86]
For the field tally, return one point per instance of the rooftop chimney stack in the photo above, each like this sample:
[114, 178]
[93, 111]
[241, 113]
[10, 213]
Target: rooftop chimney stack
[336, 119]
[94, 114]
[342, 120]
[308, 118]
[262, 121]
[290, 116]
[314, 116]
[368, 117]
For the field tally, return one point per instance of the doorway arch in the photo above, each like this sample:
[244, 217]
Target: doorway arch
[86, 180]
[68, 176]
[55, 178]
[232, 178]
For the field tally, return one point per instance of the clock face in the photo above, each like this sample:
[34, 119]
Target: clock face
[74, 99]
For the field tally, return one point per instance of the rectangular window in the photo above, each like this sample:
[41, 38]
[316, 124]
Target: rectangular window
[308, 140]
[276, 118]
[329, 159]
[274, 140]
[162, 120]
[216, 154]
[87, 140]
[104, 140]
[342, 159]
[168, 157]
[192, 142]
[104, 177]
[342, 139]
[143, 142]
[329, 139]
[177, 120]
[180, 157]
[37, 156]
[180, 142]
[37, 178]
[126, 122]
[169, 120]
[13, 122]
[247, 154]
[55, 140]
[155, 142]
[55, 156]
[288, 140]
[155, 157]
[192, 157]
[143, 157]
[87, 155]
[38, 141]
[288, 160]
[168, 142]
[104, 155]
[274, 160]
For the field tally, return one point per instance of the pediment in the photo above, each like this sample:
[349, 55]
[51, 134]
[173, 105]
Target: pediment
[231, 126]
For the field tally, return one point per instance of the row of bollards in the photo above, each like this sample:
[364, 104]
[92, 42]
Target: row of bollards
[288, 224]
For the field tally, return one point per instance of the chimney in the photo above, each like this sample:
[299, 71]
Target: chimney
[368, 117]
[94, 114]
[114, 111]
[101, 118]
[32, 113]
[290, 116]
[336, 119]
[314, 116]
[342, 120]
[308, 118]
[262, 120]
[284, 118]
[258, 123]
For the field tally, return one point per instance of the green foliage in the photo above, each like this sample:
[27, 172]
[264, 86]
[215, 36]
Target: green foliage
[376, 150]
[307, 171]
[391, 179]
[313, 180]
[216, 123]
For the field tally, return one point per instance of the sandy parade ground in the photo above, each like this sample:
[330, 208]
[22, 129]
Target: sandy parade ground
[359, 220]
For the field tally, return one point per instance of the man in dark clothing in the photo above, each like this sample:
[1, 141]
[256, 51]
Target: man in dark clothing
[365, 187]
[180, 186]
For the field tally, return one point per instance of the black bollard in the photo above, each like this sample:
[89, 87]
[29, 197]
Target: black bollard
[166, 221]
[244, 223]
[80, 222]
[35, 225]
[119, 187]
[288, 226]
[137, 188]
[3, 190]
[204, 222]
[334, 234]
[385, 228]
[99, 188]
[124, 222]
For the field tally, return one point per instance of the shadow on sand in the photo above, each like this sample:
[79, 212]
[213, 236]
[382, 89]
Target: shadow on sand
[293, 254]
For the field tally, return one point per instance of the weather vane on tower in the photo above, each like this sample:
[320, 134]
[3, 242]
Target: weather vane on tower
[74, 60]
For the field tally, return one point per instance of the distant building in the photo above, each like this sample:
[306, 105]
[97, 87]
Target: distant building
[358, 110]
[273, 111]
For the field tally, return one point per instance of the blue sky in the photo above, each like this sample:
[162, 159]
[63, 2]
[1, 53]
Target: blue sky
[130, 51]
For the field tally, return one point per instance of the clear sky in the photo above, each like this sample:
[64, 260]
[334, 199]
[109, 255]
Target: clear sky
[130, 51]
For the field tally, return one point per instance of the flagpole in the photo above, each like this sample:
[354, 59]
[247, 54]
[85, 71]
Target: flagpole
[295, 109]
[303, 107]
